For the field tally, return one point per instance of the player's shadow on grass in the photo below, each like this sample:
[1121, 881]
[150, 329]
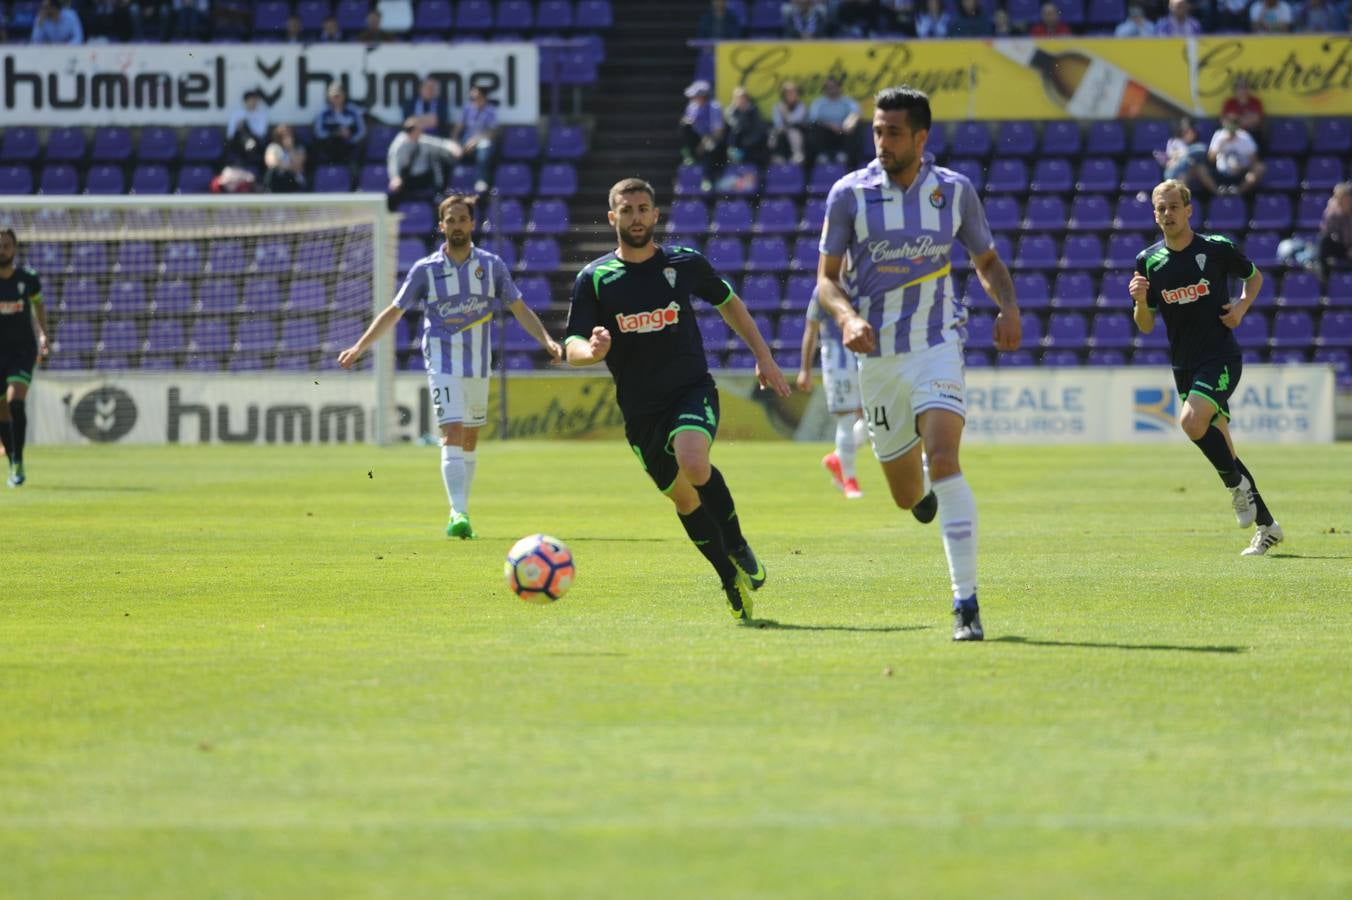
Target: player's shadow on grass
[772, 625]
[1307, 556]
[1096, 645]
[105, 488]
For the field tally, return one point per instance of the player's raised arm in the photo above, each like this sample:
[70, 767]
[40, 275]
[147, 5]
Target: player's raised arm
[995, 278]
[733, 311]
[1233, 313]
[374, 332]
[589, 350]
[586, 340]
[1141, 313]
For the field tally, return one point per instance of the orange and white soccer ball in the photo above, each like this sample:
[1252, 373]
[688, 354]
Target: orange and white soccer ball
[539, 568]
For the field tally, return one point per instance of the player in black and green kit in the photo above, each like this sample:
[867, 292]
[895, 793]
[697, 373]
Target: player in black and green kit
[1185, 279]
[23, 337]
[632, 309]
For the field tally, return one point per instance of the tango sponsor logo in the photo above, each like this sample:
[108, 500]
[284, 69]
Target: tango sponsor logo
[1188, 293]
[653, 320]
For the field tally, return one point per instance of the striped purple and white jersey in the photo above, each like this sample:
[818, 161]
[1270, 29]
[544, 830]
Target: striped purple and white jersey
[458, 303]
[833, 352]
[898, 244]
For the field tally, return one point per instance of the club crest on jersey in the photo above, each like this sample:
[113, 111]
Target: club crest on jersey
[650, 320]
[479, 272]
[1189, 293]
[937, 199]
[1201, 262]
[670, 275]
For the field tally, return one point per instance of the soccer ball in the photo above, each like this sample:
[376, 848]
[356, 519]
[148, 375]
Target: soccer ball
[539, 568]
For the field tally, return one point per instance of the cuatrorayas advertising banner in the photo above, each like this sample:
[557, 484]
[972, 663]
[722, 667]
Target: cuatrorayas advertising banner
[1057, 78]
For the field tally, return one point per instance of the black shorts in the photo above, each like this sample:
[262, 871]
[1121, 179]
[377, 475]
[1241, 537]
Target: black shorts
[1214, 379]
[17, 364]
[650, 436]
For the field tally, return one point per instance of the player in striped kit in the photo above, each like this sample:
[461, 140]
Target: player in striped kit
[840, 374]
[893, 225]
[458, 287]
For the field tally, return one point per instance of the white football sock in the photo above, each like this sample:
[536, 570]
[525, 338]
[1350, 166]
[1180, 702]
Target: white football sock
[471, 457]
[453, 474]
[957, 520]
[845, 446]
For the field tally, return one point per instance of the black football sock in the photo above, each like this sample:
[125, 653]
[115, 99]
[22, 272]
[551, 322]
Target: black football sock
[18, 427]
[717, 499]
[1264, 516]
[705, 535]
[7, 436]
[1213, 446]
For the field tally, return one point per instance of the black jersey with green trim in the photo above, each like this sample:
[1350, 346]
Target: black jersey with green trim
[656, 351]
[18, 293]
[1188, 287]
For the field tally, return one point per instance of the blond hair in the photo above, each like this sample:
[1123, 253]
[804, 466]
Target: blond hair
[1173, 184]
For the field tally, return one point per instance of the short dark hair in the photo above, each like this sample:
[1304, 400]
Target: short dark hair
[12, 236]
[913, 101]
[464, 200]
[629, 186]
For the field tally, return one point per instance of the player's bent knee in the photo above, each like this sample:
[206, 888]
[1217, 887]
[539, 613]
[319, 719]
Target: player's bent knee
[696, 470]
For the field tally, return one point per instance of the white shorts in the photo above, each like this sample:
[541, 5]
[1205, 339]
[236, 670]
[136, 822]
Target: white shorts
[896, 389]
[842, 389]
[458, 399]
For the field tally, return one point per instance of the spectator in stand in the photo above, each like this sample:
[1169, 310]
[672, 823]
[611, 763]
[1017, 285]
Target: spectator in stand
[55, 24]
[971, 21]
[720, 23]
[702, 130]
[1245, 107]
[247, 131]
[747, 135]
[788, 137]
[339, 129]
[1050, 24]
[329, 32]
[1135, 24]
[1184, 158]
[295, 33]
[856, 18]
[805, 19]
[430, 108]
[1335, 231]
[934, 22]
[418, 162]
[284, 163]
[1321, 17]
[833, 117]
[1270, 17]
[477, 133]
[118, 21]
[372, 35]
[1230, 15]
[185, 20]
[1001, 25]
[1233, 155]
[1179, 22]
[897, 18]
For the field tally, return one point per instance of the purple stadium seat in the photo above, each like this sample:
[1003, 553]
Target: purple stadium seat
[432, 17]
[1133, 214]
[520, 142]
[1310, 210]
[462, 182]
[1052, 176]
[150, 179]
[557, 180]
[1282, 174]
[814, 215]
[1098, 175]
[1149, 135]
[971, 139]
[798, 289]
[59, 178]
[980, 331]
[687, 217]
[1141, 173]
[1060, 357]
[824, 175]
[269, 18]
[88, 256]
[784, 178]
[1031, 288]
[373, 178]
[157, 144]
[690, 182]
[1339, 289]
[351, 14]
[1108, 138]
[1090, 212]
[509, 218]
[65, 145]
[1066, 329]
[726, 254]
[765, 17]
[299, 335]
[1072, 11]
[409, 250]
[182, 258]
[805, 254]
[1003, 213]
[1322, 172]
[761, 292]
[419, 219]
[1287, 137]
[209, 336]
[204, 144]
[1332, 134]
[1112, 330]
[172, 296]
[1271, 211]
[1098, 357]
[194, 179]
[565, 142]
[378, 139]
[1226, 214]
[316, 256]
[1252, 331]
[540, 254]
[312, 13]
[1015, 139]
[972, 292]
[514, 179]
[16, 180]
[333, 179]
[119, 336]
[1288, 357]
[112, 144]
[1036, 251]
[127, 297]
[1292, 329]
[777, 215]
[972, 168]
[136, 258]
[554, 15]
[535, 291]
[48, 257]
[226, 258]
[1032, 332]
[731, 216]
[272, 258]
[514, 15]
[217, 296]
[73, 336]
[1073, 290]
[1150, 357]
[593, 15]
[767, 254]
[1082, 251]
[256, 334]
[165, 336]
[19, 144]
[1104, 14]
[1298, 289]
[937, 142]
[1061, 138]
[1261, 247]
[1335, 329]
[1341, 360]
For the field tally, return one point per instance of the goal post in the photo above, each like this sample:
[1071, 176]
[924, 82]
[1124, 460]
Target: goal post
[256, 284]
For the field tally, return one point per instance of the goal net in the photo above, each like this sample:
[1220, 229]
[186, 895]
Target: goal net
[236, 285]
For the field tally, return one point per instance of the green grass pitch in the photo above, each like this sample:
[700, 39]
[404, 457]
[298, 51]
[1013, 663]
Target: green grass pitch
[266, 673]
